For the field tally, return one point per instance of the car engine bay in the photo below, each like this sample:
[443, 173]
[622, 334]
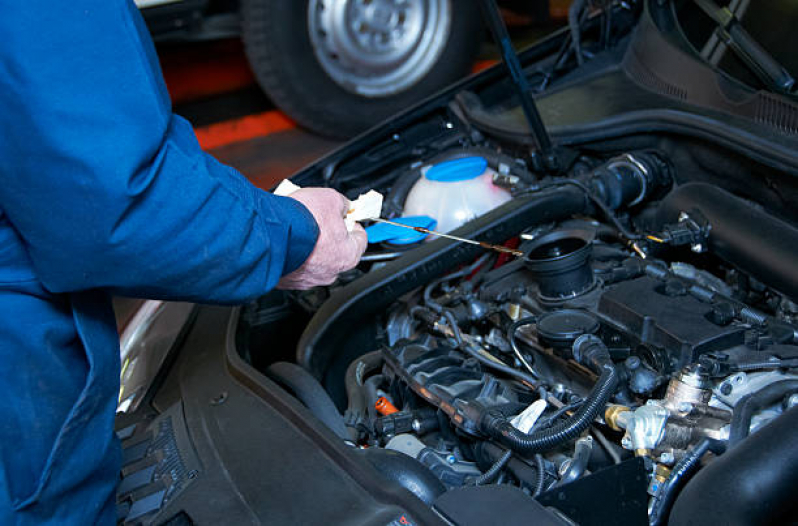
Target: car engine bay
[637, 365]
[645, 321]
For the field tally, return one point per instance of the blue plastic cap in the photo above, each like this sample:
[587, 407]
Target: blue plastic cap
[384, 233]
[457, 169]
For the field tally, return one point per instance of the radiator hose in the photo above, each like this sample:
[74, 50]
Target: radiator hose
[589, 351]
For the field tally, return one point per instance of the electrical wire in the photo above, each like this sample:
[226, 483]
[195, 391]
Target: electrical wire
[514, 344]
[463, 272]
[608, 214]
[492, 362]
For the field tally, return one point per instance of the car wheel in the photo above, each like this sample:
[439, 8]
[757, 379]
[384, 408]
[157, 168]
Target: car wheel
[338, 67]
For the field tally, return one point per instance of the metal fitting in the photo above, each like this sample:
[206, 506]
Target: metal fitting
[613, 417]
[645, 427]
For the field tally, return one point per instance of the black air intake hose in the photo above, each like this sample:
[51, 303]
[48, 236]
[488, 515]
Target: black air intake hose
[310, 392]
[752, 483]
[589, 351]
[746, 237]
[405, 471]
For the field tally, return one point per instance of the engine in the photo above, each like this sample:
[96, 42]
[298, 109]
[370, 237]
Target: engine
[611, 343]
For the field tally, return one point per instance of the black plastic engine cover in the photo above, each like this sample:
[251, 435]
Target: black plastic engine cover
[667, 318]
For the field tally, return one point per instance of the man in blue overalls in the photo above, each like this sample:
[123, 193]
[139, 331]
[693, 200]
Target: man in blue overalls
[104, 191]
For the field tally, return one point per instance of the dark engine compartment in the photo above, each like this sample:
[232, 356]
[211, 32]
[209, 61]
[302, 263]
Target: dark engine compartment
[648, 327]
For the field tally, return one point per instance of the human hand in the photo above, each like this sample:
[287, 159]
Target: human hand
[337, 249]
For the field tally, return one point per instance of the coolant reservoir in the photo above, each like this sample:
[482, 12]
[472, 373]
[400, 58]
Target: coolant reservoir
[454, 192]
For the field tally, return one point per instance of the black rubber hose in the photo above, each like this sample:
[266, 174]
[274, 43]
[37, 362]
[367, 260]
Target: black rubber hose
[371, 387]
[745, 408]
[540, 484]
[524, 470]
[355, 373]
[493, 471]
[753, 483]
[745, 236]
[395, 199]
[589, 351]
[310, 392]
[405, 471]
[682, 471]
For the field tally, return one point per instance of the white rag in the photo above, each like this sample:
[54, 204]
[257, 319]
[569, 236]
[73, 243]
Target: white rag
[366, 206]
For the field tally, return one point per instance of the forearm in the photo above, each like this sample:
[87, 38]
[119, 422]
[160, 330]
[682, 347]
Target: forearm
[106, 187]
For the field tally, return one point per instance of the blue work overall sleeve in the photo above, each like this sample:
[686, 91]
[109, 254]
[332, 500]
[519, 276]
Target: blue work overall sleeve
[102, 191]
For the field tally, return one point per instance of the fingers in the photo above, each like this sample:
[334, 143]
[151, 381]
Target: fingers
[361, 241]
[345, 204]
[337, 250]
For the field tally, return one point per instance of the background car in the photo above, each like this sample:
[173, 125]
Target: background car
[336, 66]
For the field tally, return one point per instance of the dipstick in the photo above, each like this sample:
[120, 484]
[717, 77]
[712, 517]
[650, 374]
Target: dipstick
[489, 246]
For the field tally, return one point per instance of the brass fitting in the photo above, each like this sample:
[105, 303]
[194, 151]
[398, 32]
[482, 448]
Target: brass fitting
[611, 416]
[661, 473]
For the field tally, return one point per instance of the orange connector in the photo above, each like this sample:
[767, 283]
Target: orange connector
[385, 407]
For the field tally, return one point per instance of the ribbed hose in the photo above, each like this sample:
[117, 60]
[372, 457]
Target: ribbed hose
[492, 472]
[595, 356]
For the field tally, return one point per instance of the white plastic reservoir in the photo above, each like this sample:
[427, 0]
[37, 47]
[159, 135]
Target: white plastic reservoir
[454, 192]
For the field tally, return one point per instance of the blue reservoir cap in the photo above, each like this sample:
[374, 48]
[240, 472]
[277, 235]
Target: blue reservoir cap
[384, 233]
[457, 169]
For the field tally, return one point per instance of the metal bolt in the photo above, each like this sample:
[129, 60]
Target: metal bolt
[219, 399]
[726, 388]
[626, 442]
[666, 457]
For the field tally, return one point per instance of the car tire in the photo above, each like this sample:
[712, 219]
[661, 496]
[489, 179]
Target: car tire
[297, 72]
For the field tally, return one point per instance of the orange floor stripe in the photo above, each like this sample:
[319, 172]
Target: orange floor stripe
[481, 65]
[243, 129]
